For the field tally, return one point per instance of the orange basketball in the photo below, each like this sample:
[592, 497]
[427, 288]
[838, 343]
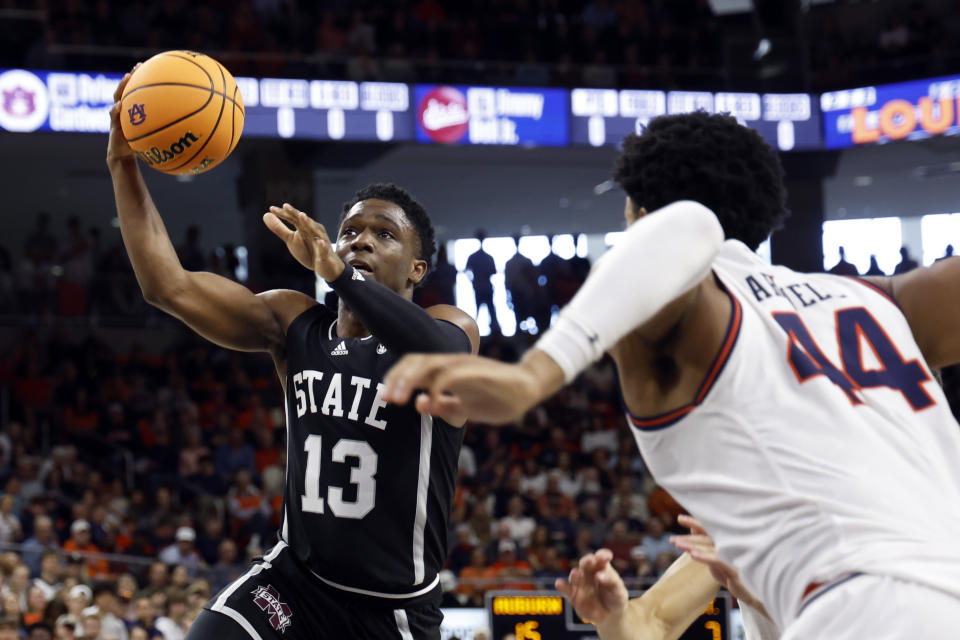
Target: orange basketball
[182, 112]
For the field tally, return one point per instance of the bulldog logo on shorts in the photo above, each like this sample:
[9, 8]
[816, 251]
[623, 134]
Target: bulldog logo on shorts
[269, 602]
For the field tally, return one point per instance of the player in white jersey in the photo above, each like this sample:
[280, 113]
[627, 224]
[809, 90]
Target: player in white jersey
[795, 415]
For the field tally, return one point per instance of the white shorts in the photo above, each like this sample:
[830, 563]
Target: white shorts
[878, 608]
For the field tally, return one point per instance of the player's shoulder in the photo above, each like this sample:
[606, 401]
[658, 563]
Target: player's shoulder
[458, 318]
[287, 304]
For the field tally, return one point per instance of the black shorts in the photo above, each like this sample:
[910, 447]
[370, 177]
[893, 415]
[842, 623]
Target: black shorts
[279, 598]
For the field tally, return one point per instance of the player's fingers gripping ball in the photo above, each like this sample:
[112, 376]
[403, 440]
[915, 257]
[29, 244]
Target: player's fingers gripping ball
[181, 112]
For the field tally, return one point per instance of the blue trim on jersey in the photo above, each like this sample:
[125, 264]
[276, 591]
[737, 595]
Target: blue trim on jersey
[666, 419]
[824, 589]
[878, 289]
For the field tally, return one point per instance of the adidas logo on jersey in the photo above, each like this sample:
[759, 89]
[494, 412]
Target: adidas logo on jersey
[381, 349]
[341, 350]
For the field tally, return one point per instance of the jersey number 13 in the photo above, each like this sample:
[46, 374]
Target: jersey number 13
[361, 475]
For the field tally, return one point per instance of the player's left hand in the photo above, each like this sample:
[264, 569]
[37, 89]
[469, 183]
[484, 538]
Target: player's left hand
[595, 589]
[701, 548]
[308, 241]
[478, 388]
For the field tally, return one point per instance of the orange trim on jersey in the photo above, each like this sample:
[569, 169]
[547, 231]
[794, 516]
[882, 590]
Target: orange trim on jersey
[723, 355]
[879, 290]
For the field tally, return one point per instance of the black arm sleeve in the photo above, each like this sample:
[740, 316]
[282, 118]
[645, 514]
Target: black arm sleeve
[398, 323]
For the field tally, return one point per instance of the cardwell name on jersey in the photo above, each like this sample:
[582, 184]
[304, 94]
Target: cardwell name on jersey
[310, 386]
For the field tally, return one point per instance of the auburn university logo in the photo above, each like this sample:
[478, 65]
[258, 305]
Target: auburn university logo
[269, 602]
[137, 114]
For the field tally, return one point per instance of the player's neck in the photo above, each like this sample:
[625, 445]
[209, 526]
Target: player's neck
[348, 324]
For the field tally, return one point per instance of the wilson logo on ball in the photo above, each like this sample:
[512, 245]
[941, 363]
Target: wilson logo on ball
[157, 156]
[443, 115]
[138, 114]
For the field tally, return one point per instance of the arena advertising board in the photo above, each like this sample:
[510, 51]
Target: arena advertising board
[275, 107]
[788, 121]
[514, 116]
[886, 113]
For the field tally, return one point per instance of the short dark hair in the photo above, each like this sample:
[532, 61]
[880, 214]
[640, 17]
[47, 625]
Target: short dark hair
[412, 209]
[710, 158]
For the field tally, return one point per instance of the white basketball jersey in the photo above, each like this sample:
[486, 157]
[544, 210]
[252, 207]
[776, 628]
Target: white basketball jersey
[819, 444]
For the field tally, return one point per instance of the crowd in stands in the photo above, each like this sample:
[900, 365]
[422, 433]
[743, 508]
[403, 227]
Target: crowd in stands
[614, 43]
[137, 481]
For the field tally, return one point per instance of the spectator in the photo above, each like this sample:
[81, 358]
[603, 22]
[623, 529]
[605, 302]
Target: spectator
[476, 578]
[656, 540]
[510, 569]
[182, 552]
[174, 625]
[844, 268]
[874, 268]
[106, 607]
[461, 549]
[519, 525]
[906, 262]
[520, 279]
[246, 506]
[234, 455]
[481, 267]
[625, 502]
[10, 529]
[49, 579]
[80, 540]
[228, 567]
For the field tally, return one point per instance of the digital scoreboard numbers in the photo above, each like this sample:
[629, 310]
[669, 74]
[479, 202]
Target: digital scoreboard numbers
[326, 109]
[511, 116]
[887, 113]
[604, 116]
[548, 616]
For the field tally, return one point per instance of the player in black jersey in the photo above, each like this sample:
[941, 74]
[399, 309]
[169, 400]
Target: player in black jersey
[369, 485]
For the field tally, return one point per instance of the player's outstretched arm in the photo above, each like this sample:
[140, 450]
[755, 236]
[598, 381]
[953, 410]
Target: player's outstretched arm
[645, 283]
[219, 309]
[663, 612]
[930, 299]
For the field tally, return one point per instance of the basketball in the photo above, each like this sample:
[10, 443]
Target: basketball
[181, 112]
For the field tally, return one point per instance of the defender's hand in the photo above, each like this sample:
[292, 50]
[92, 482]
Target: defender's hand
[595, 589]
[308, 241]
[479, 388]
[117, 147]
[701, 548]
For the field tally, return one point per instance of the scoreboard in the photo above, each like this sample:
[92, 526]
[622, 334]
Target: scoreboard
[787, 121]
[547, 615]
[326, 109]
[274, 107]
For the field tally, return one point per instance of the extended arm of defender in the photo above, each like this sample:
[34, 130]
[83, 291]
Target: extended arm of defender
[668, 608]
[662, 256]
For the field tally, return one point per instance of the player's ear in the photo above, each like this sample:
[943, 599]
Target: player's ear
[418, 269]
[631, 212]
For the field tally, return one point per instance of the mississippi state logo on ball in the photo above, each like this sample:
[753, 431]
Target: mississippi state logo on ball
[443, 115]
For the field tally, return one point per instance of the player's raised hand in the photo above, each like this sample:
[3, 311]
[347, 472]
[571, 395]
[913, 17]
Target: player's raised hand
[701, 548]
[117, 146]
[480, 389]
[595, 589]
[307, 241]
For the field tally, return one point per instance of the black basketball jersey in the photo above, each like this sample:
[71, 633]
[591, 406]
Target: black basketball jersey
[369, 485]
